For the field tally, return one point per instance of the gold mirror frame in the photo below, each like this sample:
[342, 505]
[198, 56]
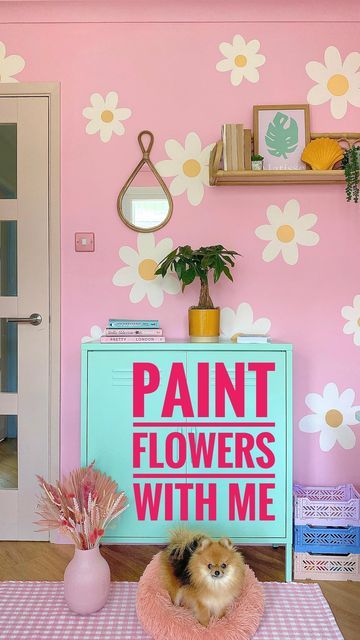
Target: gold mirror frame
[145, 160]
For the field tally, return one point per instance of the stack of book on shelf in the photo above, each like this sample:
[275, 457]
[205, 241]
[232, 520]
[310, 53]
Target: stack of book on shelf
[133, 331]
[236, 147]
[252, 338]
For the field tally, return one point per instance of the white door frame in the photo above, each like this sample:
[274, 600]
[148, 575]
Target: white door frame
[51, 90]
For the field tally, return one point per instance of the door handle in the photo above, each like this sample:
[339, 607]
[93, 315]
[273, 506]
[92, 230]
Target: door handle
[34, 319]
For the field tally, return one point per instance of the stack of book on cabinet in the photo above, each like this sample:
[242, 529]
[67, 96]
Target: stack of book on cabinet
[236, 147]
[123, 330]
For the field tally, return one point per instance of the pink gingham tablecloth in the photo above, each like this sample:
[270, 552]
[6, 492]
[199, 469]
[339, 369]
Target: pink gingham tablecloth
[37, 611]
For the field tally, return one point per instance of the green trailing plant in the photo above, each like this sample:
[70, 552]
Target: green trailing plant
[189, 264]
[351, 165]
[256, 157]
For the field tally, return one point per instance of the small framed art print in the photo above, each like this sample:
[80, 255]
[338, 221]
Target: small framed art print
[281, 132]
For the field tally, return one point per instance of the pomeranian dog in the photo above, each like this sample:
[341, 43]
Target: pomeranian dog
[201, 574]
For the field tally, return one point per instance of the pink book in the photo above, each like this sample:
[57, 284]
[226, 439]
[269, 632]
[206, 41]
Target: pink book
[133, 332]
[132, 339]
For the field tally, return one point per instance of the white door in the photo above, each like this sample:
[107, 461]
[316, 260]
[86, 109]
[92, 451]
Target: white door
[24, 291]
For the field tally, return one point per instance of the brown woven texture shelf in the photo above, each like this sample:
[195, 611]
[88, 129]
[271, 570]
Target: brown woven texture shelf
[218, 177]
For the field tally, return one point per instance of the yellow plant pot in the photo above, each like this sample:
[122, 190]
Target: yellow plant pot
[204, 324]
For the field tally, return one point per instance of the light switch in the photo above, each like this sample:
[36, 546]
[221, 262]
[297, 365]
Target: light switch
[84, 241]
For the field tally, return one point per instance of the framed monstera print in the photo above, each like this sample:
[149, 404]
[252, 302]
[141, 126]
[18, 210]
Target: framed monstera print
[280, 134]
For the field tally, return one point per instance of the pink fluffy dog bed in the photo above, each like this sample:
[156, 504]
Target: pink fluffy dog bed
[164, 621]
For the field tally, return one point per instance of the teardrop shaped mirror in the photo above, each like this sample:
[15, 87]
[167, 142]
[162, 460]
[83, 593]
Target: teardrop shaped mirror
[144, 203]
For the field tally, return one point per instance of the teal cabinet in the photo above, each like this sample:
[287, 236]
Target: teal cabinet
[108, 436]
[197, 435]
[244, 447]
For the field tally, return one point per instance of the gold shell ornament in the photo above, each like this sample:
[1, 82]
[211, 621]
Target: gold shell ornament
[322, 153]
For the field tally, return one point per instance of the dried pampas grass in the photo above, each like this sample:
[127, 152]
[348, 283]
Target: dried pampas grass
[81, 506]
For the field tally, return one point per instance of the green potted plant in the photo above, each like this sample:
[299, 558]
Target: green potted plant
[257, 162]
[351, 165]
[188, 264]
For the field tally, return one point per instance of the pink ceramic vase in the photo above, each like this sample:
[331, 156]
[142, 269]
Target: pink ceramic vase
[87, 581]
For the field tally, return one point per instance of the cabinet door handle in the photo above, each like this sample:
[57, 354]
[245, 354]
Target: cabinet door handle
[34, 319]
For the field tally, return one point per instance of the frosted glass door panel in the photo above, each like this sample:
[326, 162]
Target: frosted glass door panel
[8, 161]
[8, 257]
[8, 452]
[8, 356]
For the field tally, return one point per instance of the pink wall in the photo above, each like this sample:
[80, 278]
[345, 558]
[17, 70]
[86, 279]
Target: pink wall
[165, 73]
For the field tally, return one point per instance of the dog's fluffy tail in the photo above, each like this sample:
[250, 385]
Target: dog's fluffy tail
[183, 540]
[183, 543]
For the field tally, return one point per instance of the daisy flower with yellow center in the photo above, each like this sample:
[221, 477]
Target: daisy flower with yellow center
[287, 230]
[234, 323]
[105, 117]
[140, 270]
[332, 416]
[352, 315]
[189, 165]
[241, 59]
[9, 65]
[95, 334]
[337, 81]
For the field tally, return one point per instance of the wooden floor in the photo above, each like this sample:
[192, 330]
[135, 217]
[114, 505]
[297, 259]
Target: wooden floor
[44, 561]
[8, 464]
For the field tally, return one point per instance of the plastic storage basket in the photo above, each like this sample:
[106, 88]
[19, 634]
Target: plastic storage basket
[327, 506]
[326, 567]
[327, 539]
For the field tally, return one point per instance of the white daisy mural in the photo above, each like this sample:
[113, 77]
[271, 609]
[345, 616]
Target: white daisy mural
[333, 415]
[9, 65]
[105, 117]
[287, 230]
[241, 320]
[352, 315]
[188, 165]
[95, 334]
[336, 80]
[140, 270]
[241, 59]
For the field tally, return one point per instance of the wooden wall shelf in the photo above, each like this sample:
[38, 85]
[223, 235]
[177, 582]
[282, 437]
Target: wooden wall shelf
[218, 177]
